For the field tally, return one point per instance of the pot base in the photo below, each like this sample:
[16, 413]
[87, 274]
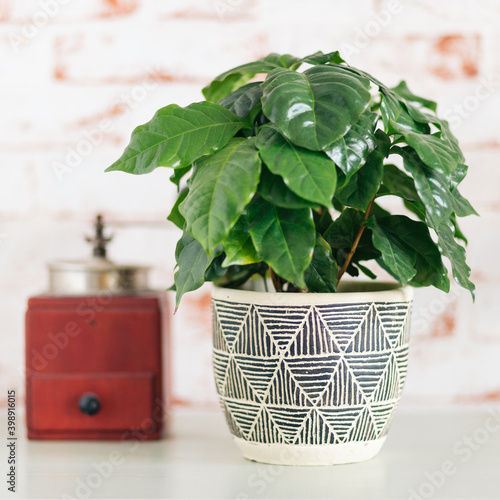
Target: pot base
[289, 454]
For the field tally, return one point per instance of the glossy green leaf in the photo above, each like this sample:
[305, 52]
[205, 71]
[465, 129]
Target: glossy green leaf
[455, 228]
[320, 58]
[244, 101]
[215, 271]
[322, 220]
[284, 238]
[397, 183]
[448, 137]
[238, 245]
[274, 190]
[458, 175]
[431, 188]
[456, 254]
[429, 266]
[321, 275]
[234, 78]
[364, 184]
[403, 91]
[221, 186]
[366, 271]
[309, 174]
[445, 132]
[192, 262]
[350, 152]
[396, 255]
[416, 208]
[235, 276]
[175, 216]
[315, 108]
[395, 114]
[179, 174]
[461, 206]
[433, 152]
[176, 137]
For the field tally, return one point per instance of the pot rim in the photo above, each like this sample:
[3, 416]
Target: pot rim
[393, 292]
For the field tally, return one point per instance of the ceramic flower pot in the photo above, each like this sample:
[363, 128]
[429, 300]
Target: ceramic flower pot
[311, 379]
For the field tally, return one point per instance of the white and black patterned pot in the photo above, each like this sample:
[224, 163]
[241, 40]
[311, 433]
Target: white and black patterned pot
[310, 379]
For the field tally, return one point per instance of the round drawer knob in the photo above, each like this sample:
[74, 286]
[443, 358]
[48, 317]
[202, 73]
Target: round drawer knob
[89, 404]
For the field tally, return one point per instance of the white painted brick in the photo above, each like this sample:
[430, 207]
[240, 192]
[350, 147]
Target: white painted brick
[431, 17]
[130, 58]
[482, 184]
[72, 73]
[64, 11]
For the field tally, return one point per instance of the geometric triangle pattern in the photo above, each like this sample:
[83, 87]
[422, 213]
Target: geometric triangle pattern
[310, 375]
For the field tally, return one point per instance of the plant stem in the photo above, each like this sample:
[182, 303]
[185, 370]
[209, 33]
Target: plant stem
[265, 281]
[356, 242]
[276, 280]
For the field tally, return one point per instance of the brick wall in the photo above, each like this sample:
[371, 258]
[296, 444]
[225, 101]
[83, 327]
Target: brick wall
[76, 77]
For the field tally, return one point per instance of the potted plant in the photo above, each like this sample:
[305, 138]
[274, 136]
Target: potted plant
[286, 172]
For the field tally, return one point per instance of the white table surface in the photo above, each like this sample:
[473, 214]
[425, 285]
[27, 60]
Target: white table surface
[199, 460]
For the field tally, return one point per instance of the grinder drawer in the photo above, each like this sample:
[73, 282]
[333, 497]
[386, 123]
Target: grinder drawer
[90, 402]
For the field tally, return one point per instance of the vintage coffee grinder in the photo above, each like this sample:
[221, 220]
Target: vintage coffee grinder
[94, 351]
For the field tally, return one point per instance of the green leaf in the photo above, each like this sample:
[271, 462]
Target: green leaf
[321, 275]
[364, 184]
[320, 58]
[431, 188]
[458, 175]
[192, 263]
[429, 266]
[235, 276]
[284, 238]
[342, 233]
[273, 189]
[309, 174]
[448, 137]
[221, 186]
[175, 216]
[395, 254]
[445, 132]
[455, 228]
[315, 108]
[397, 183]
[366, 271]
[238, 245]
[456, 254]
[244, 101]
[350, 152]
[178, 175]
[322, 220]
[215, 271]
[176, 137]
[433, 152]
[394, 113]
[416, 208]
[403, 91]
[234, 78]
[461, 206]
